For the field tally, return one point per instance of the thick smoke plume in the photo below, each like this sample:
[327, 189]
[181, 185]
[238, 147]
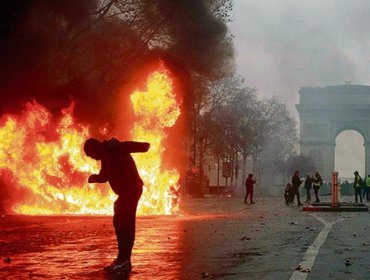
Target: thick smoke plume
[58, 51]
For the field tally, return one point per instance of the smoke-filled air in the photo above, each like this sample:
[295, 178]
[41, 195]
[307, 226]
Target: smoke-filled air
[73, 69]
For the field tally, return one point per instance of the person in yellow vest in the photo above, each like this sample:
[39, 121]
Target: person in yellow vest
[367, 186]
[317, 183]
[357, 184]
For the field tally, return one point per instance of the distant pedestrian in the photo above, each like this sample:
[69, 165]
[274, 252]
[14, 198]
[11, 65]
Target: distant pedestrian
[308, 187]
[288, 195]
[249, 188]
[317, 183]
[296, 182]
[357, 184]
[367, 185]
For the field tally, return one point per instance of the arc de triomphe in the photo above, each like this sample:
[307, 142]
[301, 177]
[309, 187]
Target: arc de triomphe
[325, 112]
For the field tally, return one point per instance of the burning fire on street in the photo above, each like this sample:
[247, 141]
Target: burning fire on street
[42, 158]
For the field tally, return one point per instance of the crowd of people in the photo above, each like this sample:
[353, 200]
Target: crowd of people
[311, 182]
[361, 188]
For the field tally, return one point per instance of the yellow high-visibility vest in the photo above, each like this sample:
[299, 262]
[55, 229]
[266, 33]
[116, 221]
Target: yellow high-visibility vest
[357, 180]
[367, 181]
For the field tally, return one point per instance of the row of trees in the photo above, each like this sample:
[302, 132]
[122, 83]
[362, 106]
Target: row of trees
[231, 123]
[86, 50]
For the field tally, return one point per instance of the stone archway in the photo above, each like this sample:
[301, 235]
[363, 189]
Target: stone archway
[349, 154]
[327, 111]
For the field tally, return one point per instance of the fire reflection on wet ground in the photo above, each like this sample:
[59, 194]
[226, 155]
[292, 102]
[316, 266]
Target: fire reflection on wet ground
[66, 247]
[79, 247]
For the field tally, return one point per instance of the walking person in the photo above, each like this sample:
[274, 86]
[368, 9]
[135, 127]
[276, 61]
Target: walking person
[367, 186]
[119, 169]
[308, 187]
[249, 188]
[317, 183]
[357, 184]
[296, 182]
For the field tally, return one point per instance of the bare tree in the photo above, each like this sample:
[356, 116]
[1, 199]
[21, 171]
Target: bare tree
[235, 123]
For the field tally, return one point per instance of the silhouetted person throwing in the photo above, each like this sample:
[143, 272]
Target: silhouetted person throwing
[119, 169]
[249, 188]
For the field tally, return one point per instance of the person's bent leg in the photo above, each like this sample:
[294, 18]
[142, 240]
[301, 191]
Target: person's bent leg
[294, 194]
[308, 195]
[125, 224]
[127, 237]
[119, 224]
[298, 198]
[316, 191]
[251, 195]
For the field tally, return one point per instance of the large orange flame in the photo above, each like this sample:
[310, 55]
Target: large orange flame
[156, 109]
[43, 159]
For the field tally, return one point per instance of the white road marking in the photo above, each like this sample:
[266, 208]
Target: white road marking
[309, 257]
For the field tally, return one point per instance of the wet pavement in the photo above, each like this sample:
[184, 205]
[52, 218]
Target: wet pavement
[346, 252]
[212, 238]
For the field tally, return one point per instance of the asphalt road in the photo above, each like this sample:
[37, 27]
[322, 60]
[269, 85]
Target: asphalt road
[212, 238]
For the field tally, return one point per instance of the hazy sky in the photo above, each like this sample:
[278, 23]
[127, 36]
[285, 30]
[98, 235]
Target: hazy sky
[350, 154]
[282, 45]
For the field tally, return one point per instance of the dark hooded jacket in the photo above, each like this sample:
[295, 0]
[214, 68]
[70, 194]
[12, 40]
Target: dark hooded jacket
[118, 167]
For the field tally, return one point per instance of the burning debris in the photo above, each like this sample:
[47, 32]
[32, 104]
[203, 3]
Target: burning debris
[68, 71]
[44, 156]
[156, 109]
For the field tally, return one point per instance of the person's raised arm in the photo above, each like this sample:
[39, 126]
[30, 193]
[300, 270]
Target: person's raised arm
[134, 147]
